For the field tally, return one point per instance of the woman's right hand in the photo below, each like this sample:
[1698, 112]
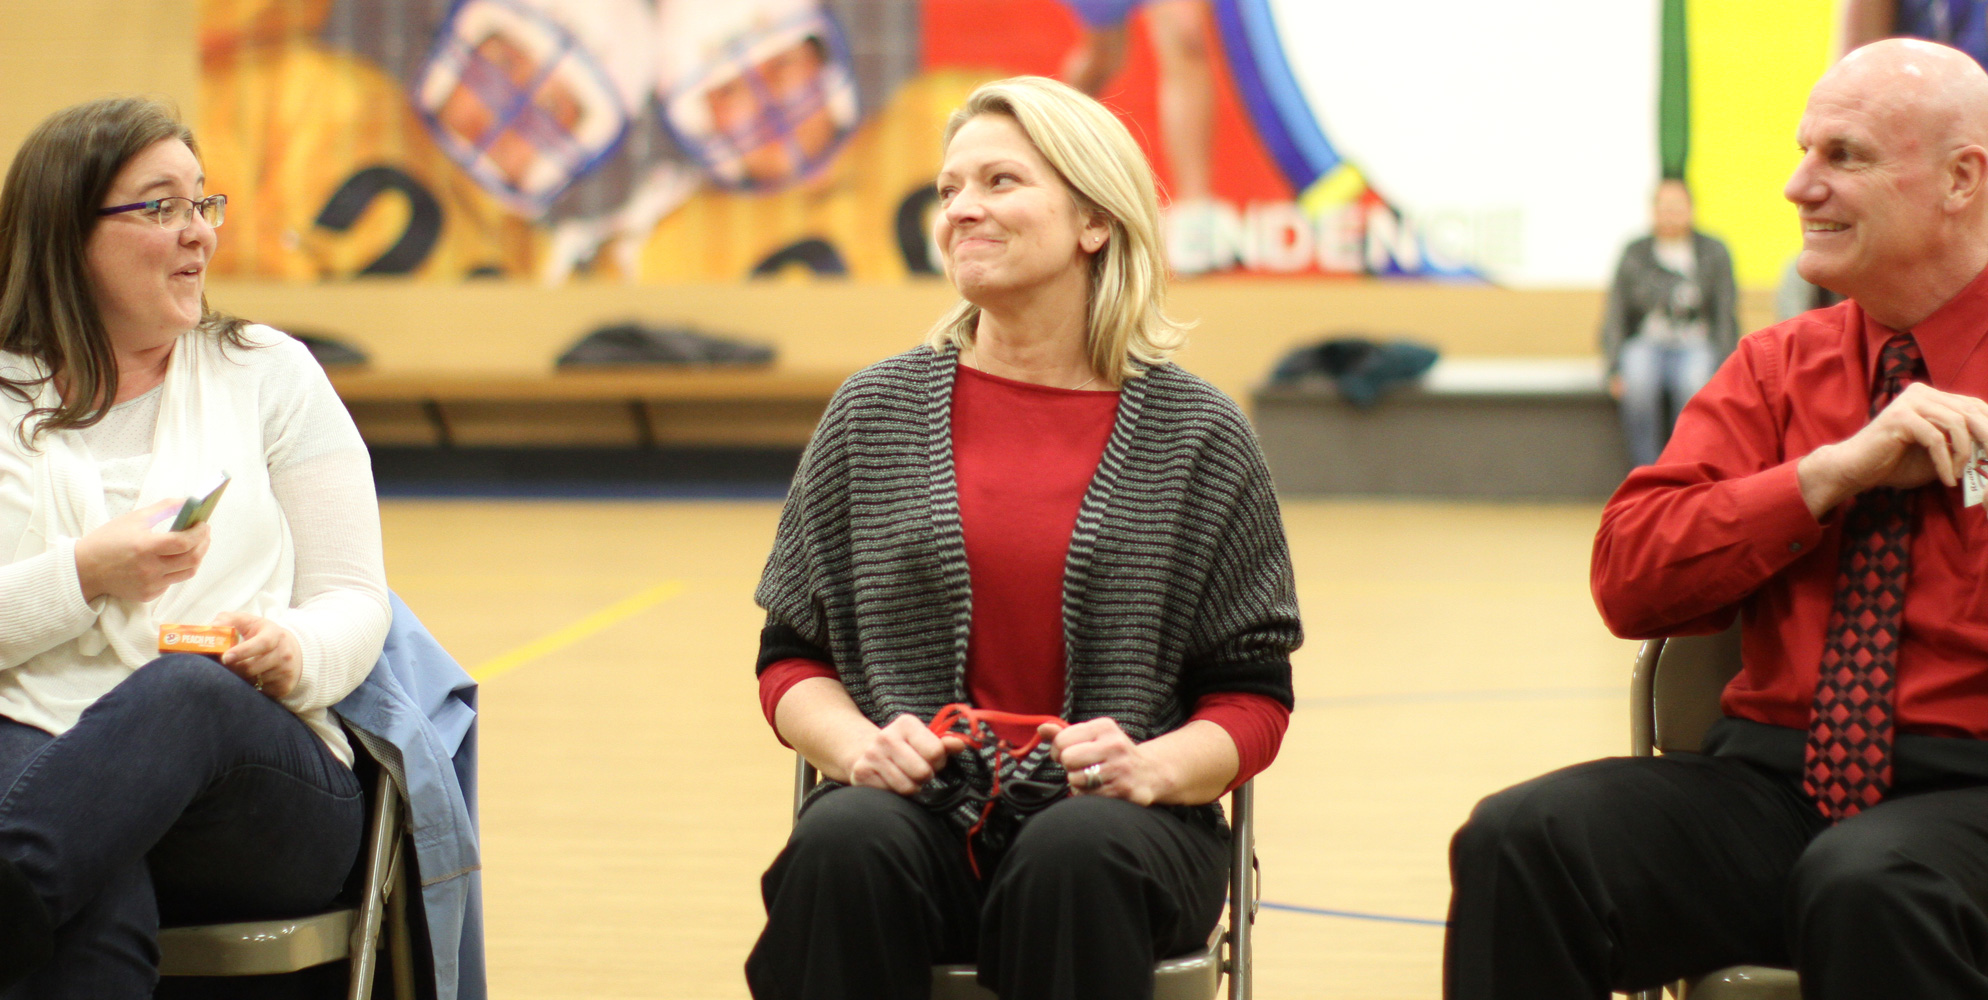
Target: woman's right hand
[902, 756]
[126, 558]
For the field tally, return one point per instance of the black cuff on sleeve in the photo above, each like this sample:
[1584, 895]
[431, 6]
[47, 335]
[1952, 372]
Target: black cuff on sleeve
[781, 642]
[1269, 678]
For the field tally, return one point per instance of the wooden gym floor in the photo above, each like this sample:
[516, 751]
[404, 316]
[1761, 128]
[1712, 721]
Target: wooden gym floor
[632, 794]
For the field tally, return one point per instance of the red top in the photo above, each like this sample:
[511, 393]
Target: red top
[1023, 456]
[1719, 523]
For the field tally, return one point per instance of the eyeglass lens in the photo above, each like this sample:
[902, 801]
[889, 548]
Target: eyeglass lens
[177, 213]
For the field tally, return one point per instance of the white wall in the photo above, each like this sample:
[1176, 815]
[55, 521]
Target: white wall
[1538, 114]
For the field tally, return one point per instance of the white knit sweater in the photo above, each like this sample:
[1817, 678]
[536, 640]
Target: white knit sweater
[296, 538]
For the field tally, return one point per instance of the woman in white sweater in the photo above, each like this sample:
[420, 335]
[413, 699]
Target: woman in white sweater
[136, 788]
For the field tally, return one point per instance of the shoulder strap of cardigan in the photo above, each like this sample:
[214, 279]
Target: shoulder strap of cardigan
[941, 368]
[1090, 518]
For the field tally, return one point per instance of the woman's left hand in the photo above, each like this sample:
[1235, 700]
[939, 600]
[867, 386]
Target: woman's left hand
[1102, 760]
[267, 657]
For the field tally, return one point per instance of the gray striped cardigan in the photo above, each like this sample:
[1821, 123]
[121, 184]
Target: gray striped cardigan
[1178, 581]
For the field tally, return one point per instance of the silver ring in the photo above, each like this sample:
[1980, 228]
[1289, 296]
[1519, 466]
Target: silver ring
[1093, 778]
[258, 683]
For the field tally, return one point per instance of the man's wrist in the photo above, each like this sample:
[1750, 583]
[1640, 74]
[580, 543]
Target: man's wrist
[1822, 483]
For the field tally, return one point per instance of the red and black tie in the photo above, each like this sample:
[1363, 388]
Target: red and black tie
[1847, 764]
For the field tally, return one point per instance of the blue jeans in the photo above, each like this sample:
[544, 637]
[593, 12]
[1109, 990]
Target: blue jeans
[1650, 371]
[182, 796]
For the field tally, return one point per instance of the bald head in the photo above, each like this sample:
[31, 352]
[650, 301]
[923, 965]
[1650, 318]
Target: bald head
[1893, 184]
[1936, 93]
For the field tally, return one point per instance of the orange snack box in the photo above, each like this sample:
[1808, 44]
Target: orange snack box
[208, 640]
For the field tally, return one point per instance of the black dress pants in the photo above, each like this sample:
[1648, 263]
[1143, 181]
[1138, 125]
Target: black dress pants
[872, 890]
[1625, 873]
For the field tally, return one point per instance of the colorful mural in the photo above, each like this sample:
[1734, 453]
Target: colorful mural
[699, 141]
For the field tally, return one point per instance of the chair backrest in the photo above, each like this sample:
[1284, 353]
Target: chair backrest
[1675, 690]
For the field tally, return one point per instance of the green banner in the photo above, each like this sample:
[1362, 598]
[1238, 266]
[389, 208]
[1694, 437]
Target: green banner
[1673, 93]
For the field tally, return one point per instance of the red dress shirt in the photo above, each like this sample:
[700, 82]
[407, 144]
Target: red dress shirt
[1023, 457]
[1718, 525]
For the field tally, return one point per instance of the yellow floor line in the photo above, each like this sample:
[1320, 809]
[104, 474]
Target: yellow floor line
[613, 614]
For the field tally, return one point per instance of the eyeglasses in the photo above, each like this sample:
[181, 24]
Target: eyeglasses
[174, 214]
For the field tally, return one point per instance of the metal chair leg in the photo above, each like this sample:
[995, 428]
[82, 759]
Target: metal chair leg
[1643, 704]
[1242, 890]
[805, 777]
[380, 864]
[401, 892]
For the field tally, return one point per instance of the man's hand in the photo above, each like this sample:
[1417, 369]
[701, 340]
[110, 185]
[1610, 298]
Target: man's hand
[126, 559]
[902, 756]
[1924, 434]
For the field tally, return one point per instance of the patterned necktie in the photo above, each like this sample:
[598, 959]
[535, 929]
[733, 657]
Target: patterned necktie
[1846, 767]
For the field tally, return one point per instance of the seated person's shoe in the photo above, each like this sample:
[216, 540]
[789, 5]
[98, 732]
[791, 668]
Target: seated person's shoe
[27, 938]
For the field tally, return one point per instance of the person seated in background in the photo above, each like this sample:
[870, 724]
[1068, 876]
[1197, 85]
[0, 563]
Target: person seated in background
[1035, 512]
[1837, 820]
[1672, 316]
[137, 788]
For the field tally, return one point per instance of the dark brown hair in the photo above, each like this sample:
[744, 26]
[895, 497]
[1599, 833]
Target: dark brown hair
[48, 208]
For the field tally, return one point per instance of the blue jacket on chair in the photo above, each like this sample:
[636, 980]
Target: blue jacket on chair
[420, 706]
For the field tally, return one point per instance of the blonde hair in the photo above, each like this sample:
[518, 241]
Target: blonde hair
[1127, 329]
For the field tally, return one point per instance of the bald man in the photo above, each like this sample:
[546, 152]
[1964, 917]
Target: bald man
[1837, 821]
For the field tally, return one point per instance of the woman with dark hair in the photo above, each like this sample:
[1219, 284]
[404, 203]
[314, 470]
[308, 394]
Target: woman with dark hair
[1036, 513]
[137, 788]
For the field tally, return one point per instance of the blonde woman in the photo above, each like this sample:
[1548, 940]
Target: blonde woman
[1035, 513]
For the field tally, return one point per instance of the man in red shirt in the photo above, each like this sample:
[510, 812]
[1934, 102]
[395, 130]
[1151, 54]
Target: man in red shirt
[1838, 818]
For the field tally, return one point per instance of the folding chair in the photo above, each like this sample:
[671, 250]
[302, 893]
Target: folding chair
[271, 947]
[1673, 701]
[1196, 975]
